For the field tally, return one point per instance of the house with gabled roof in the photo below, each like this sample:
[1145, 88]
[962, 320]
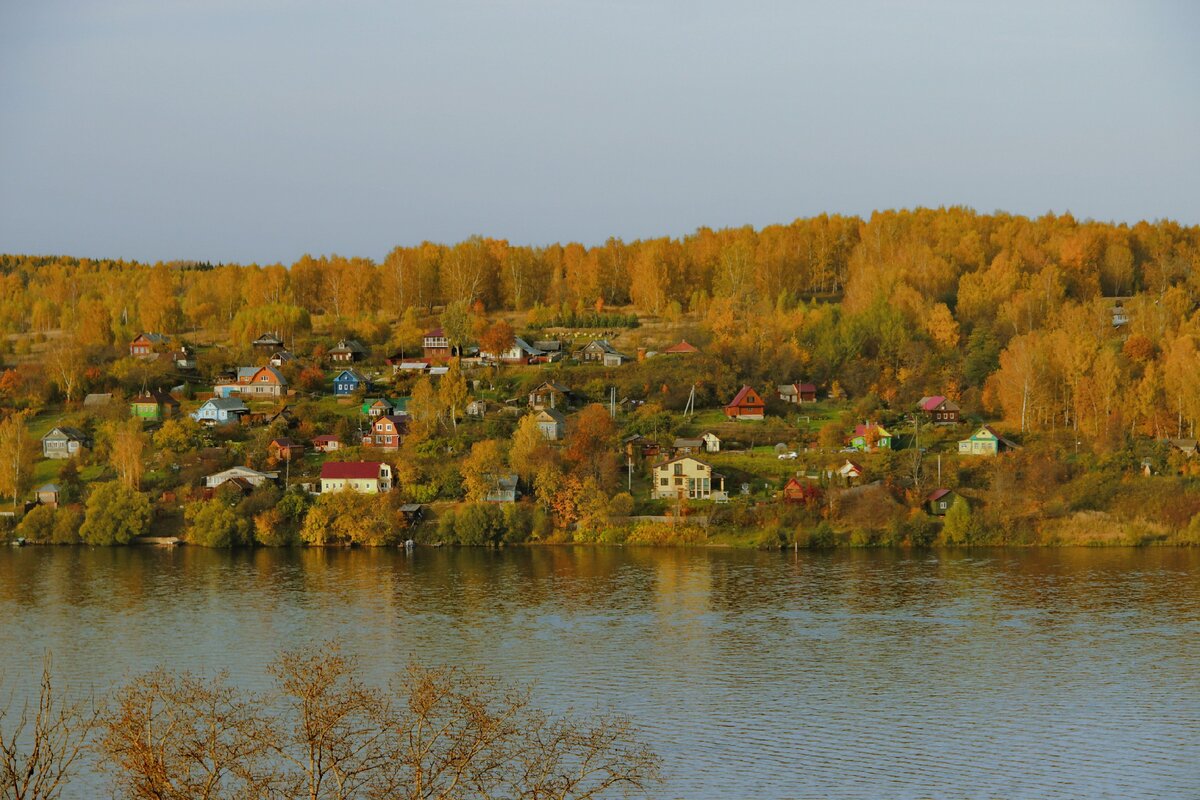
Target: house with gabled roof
[871, 436]
[939, 410]
[746, 404]
[595, 351]
[687, 446]
[798, 491]
[153, 406]
[365, 477]
[326, 443]
[797, 393]
[261, 382]
[65, 442]
[267, 341]
[387, 431]
[686, 476]
[985, 442]
[712, 442]
[347, 351]
[503, 490]
[349, 381]
[220, 411]
[147, 344]
[552, 423]
[519, 352]
[939, 501]
[550, 395]
[284, 449]
[381, 406]
[281, 358]
[850, 471]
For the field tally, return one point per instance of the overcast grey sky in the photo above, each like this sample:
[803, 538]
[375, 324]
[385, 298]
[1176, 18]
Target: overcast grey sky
[258, 130]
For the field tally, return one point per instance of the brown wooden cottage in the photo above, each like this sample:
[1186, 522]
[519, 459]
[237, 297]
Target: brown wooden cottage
[939, 410]
[746, 404]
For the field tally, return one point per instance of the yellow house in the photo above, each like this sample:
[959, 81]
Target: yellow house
[364, 477]
[687, 477]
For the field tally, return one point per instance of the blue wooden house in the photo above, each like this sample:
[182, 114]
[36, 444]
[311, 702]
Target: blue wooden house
[349, 381]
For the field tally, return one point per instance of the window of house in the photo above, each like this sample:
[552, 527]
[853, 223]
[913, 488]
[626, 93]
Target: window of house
[663, 482]
[679, 481]
[679, 469]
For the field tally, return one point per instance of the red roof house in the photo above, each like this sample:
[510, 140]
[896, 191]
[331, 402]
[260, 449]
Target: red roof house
[747, 404]
[682, 347]
[798, 491]
[940, 410]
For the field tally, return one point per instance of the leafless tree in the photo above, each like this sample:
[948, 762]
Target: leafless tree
[40, 746]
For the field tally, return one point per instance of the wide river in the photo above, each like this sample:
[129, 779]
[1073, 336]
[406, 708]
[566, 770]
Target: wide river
[1064, 673]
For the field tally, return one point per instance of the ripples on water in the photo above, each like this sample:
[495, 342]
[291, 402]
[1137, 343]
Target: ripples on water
[955, 674]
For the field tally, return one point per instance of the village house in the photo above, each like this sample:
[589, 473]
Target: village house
[1186, 446]
[65, 442]
[326, 443]
[871, 436]
[797, 393]
[504, 489]
[147, 344]
[410, 367]
[683, 348]
[746, 404]
[435, 345]
[685, 476]
[850, 471]
[386, 432]
[280, 358]
[638, 446]
[550, 395]
[476, 409]
[684, 446]
[712, 442]
[798, 491]
[382, 406]
[262, 382]
[268, 341]
[552, 424]
[284, 449]
[47, 495]
[347, 351]
[365, 477]
[242, 477]
[595, 350]
[519, 352]
[183, 358]
[939, 501]
[153, 406]
[985, 442]
[349, 381]
[939, 410]
[284, 415]
[220, 411]
[551, 347]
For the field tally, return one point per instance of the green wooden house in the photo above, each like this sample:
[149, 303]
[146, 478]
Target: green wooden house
[985, 442]
[153, 406]
[871, 437]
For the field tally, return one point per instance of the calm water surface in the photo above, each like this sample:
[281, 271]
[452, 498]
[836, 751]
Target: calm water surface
[950, 674]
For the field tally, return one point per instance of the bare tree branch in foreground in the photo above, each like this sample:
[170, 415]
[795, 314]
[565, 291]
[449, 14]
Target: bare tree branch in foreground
[324, 734]
[39, 747]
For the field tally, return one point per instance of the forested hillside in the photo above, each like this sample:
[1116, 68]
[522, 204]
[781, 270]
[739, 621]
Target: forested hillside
[1015, 315]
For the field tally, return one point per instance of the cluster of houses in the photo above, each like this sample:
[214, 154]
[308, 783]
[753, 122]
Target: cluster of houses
[683, 473]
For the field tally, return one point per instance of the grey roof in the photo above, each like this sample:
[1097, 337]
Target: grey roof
[47, 487]
[353, 373]
[554, 414]
[226, 404]
[348, 346]
[68, 432]
[688, 442]
[98, 399]
[246, 373]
